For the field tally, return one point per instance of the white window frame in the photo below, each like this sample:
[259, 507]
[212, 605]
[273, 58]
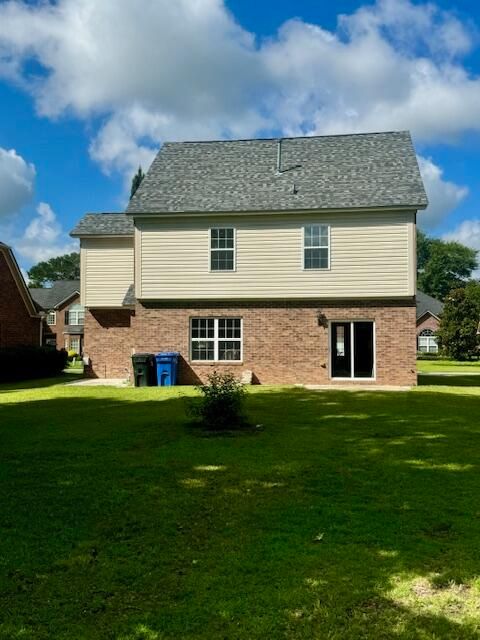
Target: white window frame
[328, 247]
[71, 348]
[75, 313]
[234, 251]
[49, 315]
[430, 341]
[215, 339]
[352, 347]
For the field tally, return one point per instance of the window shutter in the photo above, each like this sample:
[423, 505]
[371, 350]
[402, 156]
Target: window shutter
[66, 317]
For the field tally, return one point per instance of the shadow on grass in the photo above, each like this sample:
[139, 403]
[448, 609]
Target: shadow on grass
[351, 515]
[449, 380]
[38, 383]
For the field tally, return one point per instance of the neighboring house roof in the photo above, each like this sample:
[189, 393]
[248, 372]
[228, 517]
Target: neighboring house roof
[54, 296]
[320, 172]
[18, 277]
[104, 224]
[427, 304]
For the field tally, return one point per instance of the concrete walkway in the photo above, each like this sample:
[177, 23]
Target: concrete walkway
[99, 382]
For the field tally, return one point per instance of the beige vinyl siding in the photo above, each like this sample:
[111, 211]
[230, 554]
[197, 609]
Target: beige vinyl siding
[371, 256]
[107, 270]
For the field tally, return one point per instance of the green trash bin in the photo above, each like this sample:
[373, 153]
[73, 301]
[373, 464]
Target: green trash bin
[144, 369]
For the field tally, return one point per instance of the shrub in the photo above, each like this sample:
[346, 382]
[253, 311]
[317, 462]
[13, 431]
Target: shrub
[26, 362]
[72, 354]
[221, 406]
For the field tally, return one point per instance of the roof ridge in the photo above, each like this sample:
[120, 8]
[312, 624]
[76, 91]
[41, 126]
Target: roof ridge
[275, 138]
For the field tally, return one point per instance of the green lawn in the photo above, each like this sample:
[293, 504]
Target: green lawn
[447, 366]
[347, 516]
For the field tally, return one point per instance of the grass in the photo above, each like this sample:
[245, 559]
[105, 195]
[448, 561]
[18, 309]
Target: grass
[348, 516]
[447, 366]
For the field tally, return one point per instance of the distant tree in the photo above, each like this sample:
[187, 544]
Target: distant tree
[136, 181]
[457, 334]
[66, 267]
[443, 266]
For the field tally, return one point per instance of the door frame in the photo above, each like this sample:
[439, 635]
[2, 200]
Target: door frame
[352, 343]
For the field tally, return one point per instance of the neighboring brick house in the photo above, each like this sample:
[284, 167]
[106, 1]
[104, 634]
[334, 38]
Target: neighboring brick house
[428, 320]
[294, 259]
[63, 314]
[20, 322]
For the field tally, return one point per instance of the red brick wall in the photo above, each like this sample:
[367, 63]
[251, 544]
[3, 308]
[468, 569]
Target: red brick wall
[427, 321]
[108, 342]
[281, 343]
[17, 327]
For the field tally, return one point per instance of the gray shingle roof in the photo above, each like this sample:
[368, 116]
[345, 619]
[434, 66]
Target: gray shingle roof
[51, 297]
[108, 224]
[322, 172]
[427, 303]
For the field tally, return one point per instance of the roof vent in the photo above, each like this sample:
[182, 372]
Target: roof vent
[279, 157]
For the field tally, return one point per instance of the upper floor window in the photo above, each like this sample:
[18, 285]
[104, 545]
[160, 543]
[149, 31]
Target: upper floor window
[51, 318]
[222, 249]
[316, 246]
[75, 315]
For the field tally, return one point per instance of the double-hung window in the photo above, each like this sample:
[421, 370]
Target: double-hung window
[316, 246]
[75, 315]
[216, 339]
[427, 341]
[51, 318]
[222, 249]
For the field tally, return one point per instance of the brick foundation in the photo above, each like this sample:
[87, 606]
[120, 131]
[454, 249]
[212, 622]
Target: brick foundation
[282, 343]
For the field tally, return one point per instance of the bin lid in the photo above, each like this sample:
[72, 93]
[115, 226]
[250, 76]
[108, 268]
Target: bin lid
[142, 357]
[168, 354]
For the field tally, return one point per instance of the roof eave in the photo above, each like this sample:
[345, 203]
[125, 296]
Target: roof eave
[190, 212]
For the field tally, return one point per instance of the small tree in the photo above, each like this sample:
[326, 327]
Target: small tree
[221, 406]
[457, 334]
[136, 181]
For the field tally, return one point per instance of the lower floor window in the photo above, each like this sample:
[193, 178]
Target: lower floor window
[427, 341]
[352, 347]
[216, 339]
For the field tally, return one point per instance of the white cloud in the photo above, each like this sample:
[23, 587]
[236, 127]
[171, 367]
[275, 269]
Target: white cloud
[443, 196]
[185, 69]
[17, 179]
[43, 237]
[467, 232]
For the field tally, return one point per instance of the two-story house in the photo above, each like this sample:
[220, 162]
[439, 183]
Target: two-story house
[294, 259]
[63, 315]
[20, 322]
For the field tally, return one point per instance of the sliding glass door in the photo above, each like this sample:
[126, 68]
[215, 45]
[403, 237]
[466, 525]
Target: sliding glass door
[352, 349]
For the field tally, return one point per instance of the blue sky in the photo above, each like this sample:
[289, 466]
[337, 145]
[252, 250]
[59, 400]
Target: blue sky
[88, 90]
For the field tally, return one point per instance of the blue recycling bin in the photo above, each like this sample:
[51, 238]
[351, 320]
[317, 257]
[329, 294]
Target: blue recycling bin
[167, 367]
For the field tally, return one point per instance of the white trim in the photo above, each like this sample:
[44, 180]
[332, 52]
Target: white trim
[50, 313]
[352, 347]
[59, 304]
[143, 217]
[234, 250]
[215, 339]
[317, 224]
